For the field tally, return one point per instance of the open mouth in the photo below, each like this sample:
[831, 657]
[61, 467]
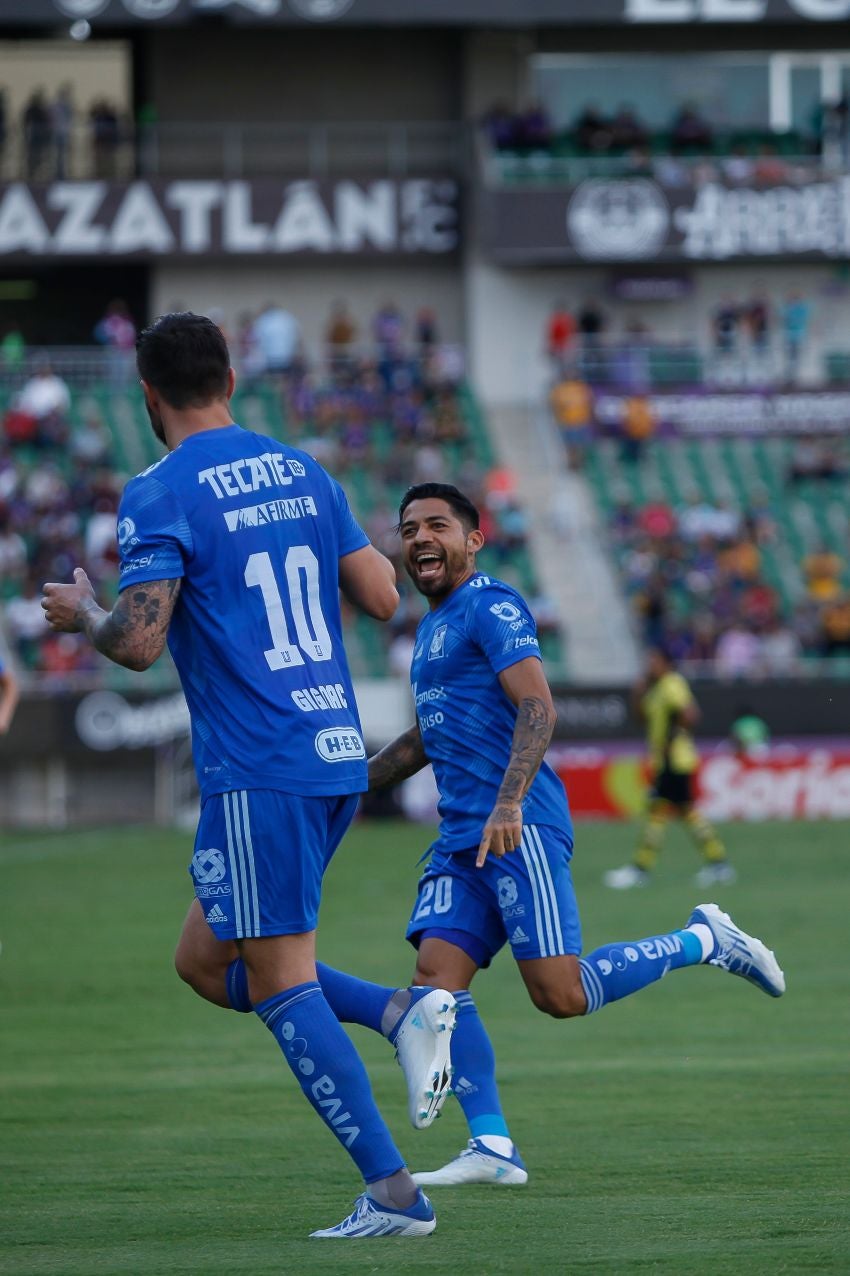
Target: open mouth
[428, 565]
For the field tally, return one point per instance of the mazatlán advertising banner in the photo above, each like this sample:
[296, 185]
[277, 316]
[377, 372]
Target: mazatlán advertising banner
[122, 13]
[784, 781]
[240, 218]
[639, 219]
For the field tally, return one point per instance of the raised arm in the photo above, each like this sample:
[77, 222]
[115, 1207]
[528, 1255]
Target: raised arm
[397, 761]
[132, 634]
[525, 685]
[367, 579]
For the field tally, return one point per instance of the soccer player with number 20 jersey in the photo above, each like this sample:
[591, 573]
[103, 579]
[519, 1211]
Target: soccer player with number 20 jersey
[499, 871]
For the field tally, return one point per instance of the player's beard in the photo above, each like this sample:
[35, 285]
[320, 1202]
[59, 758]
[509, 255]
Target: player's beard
[156, 424]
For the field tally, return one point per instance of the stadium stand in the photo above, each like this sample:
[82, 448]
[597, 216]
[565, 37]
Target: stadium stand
[718, 536]
[377, 426]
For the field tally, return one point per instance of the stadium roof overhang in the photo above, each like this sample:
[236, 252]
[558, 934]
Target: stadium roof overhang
[466, 13]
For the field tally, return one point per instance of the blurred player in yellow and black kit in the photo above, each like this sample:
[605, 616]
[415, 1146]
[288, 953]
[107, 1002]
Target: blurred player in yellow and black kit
[665, 703]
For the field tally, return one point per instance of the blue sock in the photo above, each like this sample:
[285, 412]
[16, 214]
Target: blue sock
[351, 999]
[618, 970]
[237, 987]
[474, 1085]
[332, 1076]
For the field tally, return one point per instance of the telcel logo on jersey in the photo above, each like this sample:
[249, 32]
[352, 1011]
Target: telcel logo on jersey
[527, 640]
[340, 744]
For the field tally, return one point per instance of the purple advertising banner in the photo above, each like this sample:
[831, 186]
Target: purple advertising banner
[703, 414]
[122, 13]
[264, 217]
[640, 220]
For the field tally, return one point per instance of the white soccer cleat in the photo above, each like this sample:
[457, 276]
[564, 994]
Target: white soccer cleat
[370, 1219]
[626, 878]
[739, 953]
[722, 874]
[423, 1048]
[477, 1164]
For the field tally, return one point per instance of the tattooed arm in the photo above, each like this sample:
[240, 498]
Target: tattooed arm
[132, 634]
[525, 684]
[397, 761]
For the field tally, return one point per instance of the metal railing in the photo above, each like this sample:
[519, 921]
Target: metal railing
[188, 149]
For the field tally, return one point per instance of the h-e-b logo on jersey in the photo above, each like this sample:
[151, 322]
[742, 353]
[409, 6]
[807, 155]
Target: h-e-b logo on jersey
[438, 643]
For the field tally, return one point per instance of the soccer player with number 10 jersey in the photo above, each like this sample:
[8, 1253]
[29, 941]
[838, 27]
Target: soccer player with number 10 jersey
[234, 548]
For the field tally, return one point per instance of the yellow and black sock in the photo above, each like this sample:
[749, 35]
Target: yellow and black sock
[705, 836]
[652, 836]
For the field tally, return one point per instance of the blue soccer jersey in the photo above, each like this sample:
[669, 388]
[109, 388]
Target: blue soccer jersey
[465, 719]
[255, 530]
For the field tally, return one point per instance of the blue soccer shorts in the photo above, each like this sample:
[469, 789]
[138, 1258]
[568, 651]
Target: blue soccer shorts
[259, 859]
[526, 899]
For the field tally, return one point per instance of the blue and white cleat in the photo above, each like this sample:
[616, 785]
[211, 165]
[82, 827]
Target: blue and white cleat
[369, 1219]
[477, 1164]
[738, 952]
[422, 1043]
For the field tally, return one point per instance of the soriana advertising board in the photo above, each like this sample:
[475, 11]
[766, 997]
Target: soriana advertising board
[788, 780]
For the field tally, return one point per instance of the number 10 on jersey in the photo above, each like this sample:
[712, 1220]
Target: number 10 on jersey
[305, 604]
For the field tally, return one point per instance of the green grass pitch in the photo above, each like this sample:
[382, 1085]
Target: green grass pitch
[698, 1127]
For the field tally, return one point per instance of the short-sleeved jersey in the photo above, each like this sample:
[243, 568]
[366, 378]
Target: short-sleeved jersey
[465, 719]
[255, 530]
[671, 746]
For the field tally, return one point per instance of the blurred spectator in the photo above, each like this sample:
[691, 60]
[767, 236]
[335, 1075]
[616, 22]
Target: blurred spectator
[739, 652]
[37, 134]
[690, 132]
[591, 326]
[835, 623]
[25, 622]
[756, 317]
[813, 459]
[117, 332]
[571, 402]
[725, 323]
[13, 349]
[822, 570]
[592, 131]
[106, 137]
[425, 332]
[13, 550]
[534, 128]
[781, 649]
[560, 337]
[639, 425]
[340, 336]
[501, 127]
[44, 393]
[62, 124]
[627, 131]
[278, 336]
[796, 314]
[388, 332]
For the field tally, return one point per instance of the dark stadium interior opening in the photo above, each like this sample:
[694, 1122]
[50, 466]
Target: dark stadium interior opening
[56, 305]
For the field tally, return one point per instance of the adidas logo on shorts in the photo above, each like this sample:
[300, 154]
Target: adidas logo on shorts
[216, 915]
[519, 936]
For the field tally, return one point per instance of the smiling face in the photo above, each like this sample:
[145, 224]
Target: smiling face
[438, 549]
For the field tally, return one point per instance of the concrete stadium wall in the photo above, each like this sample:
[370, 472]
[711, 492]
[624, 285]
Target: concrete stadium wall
[304, 76]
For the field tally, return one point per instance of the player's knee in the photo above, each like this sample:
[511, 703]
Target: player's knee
[559, 1001]
[427, 975]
